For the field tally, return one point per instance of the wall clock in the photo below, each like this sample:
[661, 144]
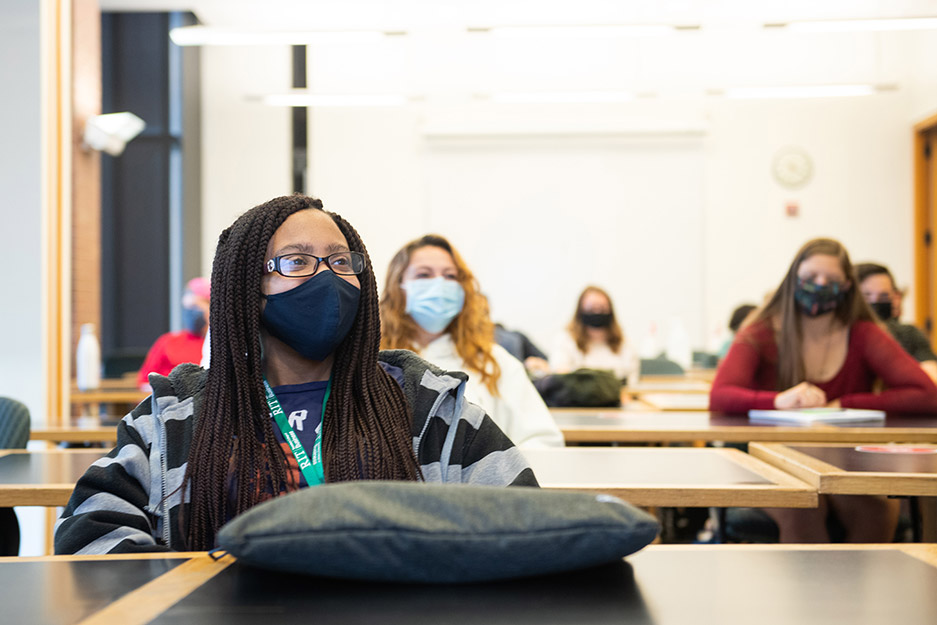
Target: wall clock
[792, 167]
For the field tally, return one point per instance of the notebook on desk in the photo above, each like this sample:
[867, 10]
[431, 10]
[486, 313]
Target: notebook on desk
[811, 416]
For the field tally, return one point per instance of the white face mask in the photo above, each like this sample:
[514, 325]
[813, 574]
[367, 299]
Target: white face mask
[434, 302]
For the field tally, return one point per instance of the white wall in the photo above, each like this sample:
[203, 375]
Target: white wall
[396, 173]
[22, 364]
[860, 192]
[245, 145]
[924, 90]
[22, 372]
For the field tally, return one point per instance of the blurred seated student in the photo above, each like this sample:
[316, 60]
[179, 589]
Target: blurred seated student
[816, 343]
[295, 332]
[518, 345]
[877, 286]
[431, 304]
[521, 347]
[594, 339]
[738, 317]
[175, 348]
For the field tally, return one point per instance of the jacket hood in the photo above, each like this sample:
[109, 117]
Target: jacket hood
[414, 367]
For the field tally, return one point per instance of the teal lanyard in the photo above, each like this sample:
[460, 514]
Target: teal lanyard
[312, 469]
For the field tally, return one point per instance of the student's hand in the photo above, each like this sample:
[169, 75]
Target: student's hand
[834, 404]
[537, 366]
[804, 395]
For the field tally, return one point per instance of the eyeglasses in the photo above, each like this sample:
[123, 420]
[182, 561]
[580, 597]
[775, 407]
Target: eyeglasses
[302, 265]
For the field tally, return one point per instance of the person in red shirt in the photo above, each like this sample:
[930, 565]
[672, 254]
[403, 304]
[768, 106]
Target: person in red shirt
[174, 348]
[817, 343]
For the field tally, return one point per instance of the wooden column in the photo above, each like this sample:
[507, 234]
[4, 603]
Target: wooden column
[55, 77]
[86, 171]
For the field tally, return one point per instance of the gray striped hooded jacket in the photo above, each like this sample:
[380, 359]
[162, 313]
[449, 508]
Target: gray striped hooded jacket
[123, 501]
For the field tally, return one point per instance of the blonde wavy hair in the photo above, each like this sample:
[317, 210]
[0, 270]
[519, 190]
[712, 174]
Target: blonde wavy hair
[472, 330]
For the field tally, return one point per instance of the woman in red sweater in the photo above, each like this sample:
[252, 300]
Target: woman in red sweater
[816, 343]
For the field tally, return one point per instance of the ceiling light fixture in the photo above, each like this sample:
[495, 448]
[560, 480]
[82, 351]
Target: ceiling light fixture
[858, 25]
[212, 36]
[583, 31]
[111, 132]
[562, 97]
[803, 91]
[306, 99]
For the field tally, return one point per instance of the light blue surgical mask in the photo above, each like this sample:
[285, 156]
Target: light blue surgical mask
[434, 302]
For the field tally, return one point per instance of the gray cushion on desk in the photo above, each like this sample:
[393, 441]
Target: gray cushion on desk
[412, 532]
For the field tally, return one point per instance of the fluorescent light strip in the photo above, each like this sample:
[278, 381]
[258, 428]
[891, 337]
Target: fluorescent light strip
[562, 97]
[807, 91]
[583, 32]
[211, 36]
[861, 25]
[332, 100]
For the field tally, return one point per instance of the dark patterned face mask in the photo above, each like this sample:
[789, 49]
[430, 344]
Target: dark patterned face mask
[815, 299]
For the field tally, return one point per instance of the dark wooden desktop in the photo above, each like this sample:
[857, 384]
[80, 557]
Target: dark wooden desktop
[661, 585]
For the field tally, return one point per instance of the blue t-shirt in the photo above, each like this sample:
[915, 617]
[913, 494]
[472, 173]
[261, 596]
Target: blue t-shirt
[302, 405]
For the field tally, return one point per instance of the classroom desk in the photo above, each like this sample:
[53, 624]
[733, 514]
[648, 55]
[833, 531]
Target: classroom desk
[680, 401]
[669, 385]
[117, 395]
[607, 425]
[75, 434]
[660, 585]
[42, 478]
[671, 477]
[127, 382]
[845, 469]
[108, 396]
[692, 374]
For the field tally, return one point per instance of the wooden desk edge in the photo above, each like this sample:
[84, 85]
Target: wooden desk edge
[44, 495]
[102, 434]
[724, 496]
[831, 480]
[156, 596]
[742, 434]
[55, 450]
[766, 470]
[156, 555]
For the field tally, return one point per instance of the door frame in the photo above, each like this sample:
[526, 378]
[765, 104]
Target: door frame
[925, 227]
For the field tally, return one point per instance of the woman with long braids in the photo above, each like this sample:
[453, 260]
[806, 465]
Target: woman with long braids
[815, 344]
[294, 357]
[431, 304]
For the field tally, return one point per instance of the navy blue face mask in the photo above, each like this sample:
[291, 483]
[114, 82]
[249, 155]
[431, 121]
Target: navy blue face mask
[314, 317]
[193, 320]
